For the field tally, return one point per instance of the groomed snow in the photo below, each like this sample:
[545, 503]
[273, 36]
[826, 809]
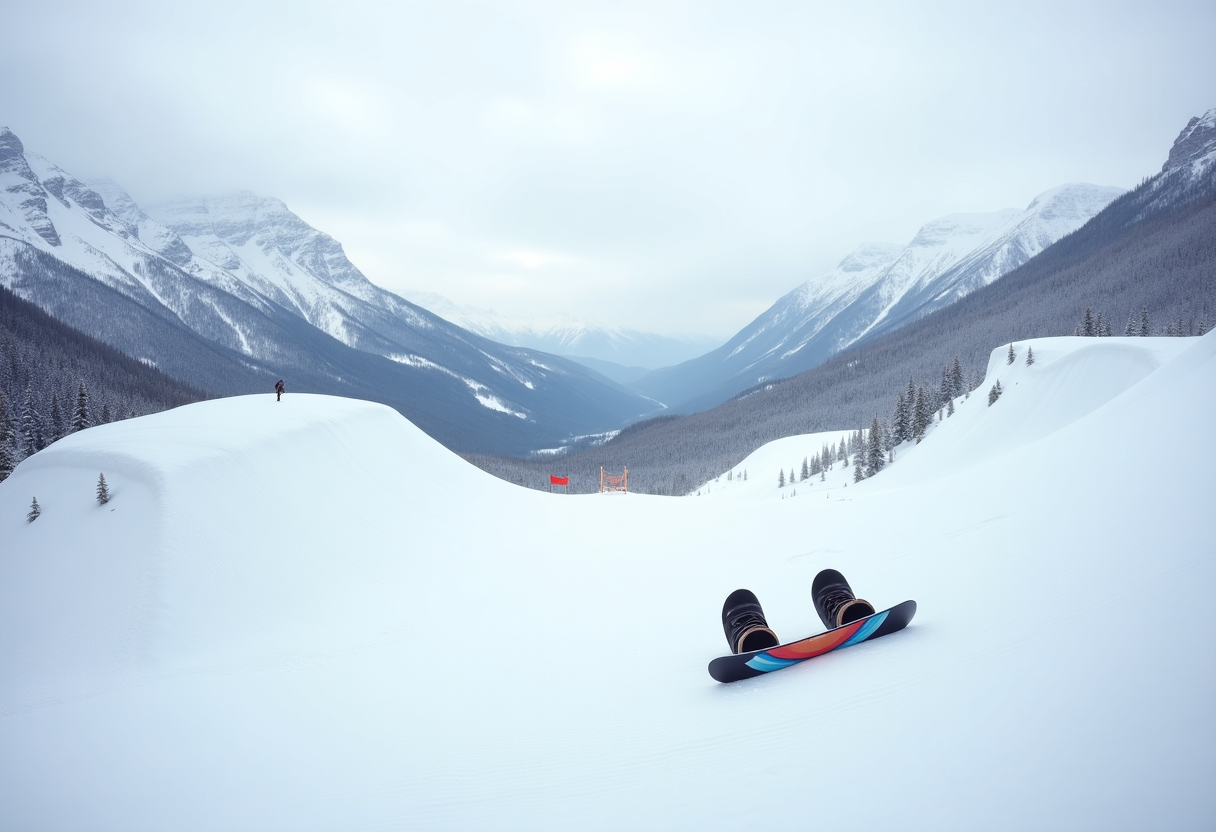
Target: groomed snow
[308, 615]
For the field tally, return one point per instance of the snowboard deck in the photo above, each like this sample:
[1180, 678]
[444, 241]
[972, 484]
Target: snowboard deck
[758, 662]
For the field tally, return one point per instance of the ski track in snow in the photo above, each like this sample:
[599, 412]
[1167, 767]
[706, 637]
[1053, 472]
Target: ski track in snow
[308, 615]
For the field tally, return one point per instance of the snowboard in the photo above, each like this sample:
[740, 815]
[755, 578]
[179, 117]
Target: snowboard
[758, 662]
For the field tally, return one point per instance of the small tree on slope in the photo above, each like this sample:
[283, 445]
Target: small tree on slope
[35, 511]
[874, 453]
[103, 490]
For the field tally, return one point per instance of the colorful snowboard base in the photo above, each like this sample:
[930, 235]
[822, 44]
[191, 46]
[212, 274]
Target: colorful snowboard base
[758, 662]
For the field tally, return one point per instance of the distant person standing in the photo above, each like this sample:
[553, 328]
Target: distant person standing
[279, 390]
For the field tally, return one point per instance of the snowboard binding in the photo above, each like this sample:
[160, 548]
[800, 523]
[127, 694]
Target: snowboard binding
[744, 624]
[835, 601]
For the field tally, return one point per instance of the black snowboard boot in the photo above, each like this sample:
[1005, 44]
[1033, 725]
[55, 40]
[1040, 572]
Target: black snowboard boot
[835, 602]
[743, 621]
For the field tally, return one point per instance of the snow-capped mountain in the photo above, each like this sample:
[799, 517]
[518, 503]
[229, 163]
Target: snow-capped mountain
[877, 288]
[226, 293]
[630, 351]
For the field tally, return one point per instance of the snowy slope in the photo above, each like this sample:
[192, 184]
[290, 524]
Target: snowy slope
[877, 288]
[308, 615]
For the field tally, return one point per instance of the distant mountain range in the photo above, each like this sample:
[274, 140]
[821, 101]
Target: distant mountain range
[230, 294]
[877, 288]
[1150, 253]
[620, 353]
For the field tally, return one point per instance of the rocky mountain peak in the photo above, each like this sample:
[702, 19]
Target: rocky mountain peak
[1197, 139]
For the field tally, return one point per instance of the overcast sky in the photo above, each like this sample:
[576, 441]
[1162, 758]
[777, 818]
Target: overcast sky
[669, 166]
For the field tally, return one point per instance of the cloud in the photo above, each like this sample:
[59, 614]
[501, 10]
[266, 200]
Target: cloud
[674, 166]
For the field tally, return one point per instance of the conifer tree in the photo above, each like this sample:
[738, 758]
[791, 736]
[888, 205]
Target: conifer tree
[56, 425]
[103, 490]
[1029, 356]
[949, 408]
[1131, 328]
[858, 469]
[1145, 330]
[33, 432]
[921, 415]
[900, 420]
[1012, 355]
[959, 386]
[994, 393]
[1087, 325]
[874, 456]
[35, 511]
[80, 416]
[8, 460]
[806, 468]
[781, 478]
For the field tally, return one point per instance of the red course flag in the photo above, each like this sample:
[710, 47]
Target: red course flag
[556, 480]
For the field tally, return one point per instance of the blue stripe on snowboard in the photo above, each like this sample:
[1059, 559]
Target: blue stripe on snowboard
[768, 663]
[866, 630]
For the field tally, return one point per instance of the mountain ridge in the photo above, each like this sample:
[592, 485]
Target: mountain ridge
[871, 292]
[289, 303]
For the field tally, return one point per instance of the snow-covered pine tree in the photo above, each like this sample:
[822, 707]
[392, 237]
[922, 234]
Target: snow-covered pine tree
[1145, 329]
[875, 459]
[949, 408]
[103, 490]
[841, 454]
[806, 468]
[900, 420]
[8, 460]
[35, 511]
[781, 478]
[1087, 325]
[33, 431]
[921, 415]
[1009, 359]
[994, 393]
[858, 470]
[959, 385]
[1131, 328]
[1029, 356]
[56, 424]
[105, 413]
[80, 416]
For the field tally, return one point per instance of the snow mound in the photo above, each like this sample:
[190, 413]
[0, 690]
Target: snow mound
[308, 615]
